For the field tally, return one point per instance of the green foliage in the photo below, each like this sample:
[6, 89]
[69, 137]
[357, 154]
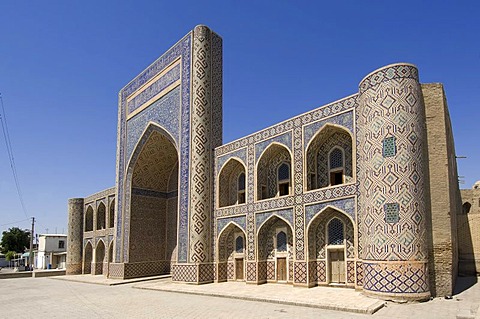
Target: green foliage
[15, 239]
[10, 255]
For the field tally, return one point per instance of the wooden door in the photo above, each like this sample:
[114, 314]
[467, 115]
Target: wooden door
[239, 269]
[281, 269]
[337, 266]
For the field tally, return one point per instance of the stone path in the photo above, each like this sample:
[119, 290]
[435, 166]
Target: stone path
[332, 298]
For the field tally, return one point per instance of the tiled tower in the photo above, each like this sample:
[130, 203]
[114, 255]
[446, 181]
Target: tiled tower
[392, 173]
[75, 236]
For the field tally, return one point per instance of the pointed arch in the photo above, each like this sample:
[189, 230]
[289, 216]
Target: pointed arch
[229, 192]
[231, 252]
[101, 216]
[267, 183]
[331, 245]
[111, 214]
[87, 258]
[275, 242]
[89, 218]
[319, 172]
[151, 205]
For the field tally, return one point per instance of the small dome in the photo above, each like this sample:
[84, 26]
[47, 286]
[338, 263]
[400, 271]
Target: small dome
[476, 185]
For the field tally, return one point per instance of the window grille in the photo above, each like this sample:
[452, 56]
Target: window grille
[389, 147]
[335, 232]
[281, 241]
[239, 244]
[283, 172]
[61, 244]
[391, 212]
[241, 182]
[336, 158]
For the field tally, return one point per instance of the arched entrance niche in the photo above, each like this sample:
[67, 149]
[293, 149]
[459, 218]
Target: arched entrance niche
[101, 215]
[99, 257]
[87, 258]
[89, 219]
[329, 158]
[111, 214]
[274, 172]
[231, 184]
[275, 251]
[331, 251]
[153, 174]
[231, 253]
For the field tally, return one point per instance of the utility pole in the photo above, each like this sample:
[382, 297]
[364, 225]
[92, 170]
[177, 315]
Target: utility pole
[30, 259]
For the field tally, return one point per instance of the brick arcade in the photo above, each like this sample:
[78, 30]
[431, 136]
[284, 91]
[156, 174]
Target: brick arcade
[341, 195]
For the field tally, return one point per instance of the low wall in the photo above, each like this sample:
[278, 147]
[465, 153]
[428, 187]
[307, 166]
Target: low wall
[34, 274]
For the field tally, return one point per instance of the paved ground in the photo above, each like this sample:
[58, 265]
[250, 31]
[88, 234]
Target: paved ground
[66, 299]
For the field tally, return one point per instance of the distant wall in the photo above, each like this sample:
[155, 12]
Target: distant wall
[445, 200]
[468, 221]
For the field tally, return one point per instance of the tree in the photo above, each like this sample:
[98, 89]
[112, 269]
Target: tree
[15, 239]
[10, 255]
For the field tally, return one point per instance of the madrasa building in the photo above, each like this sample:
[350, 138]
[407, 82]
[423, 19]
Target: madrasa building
[361, 192]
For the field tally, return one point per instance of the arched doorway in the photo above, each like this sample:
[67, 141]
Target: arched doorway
[87, 258]
[331, 250]
[231, 253]
[153, 205]
[275, 251]
[99, 257]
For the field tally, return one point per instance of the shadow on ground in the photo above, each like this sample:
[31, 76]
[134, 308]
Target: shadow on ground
[464, 283]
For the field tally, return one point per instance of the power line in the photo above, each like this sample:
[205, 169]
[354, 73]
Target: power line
[8, 143]
[20, 221]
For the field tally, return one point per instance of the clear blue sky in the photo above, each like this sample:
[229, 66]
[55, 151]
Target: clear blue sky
[62, 64]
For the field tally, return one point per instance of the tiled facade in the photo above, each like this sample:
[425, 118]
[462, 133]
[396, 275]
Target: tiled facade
[336, 195]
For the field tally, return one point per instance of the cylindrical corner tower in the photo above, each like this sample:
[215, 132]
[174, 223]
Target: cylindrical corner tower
[75, 236]
[392, 174]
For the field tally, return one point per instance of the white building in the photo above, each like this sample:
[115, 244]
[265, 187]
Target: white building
[52, 251]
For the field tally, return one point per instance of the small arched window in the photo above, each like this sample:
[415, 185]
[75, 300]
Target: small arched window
[89, 219]
[466, 207]
[111, 217]
[239, 244]
[241, 189]
[335, 232]
[336, 166]
[283, 179]
[281, 241]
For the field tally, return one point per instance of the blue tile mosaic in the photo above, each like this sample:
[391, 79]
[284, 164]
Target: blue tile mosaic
[241, 154]
[153, 89]
[180, 50]
[287, 214]
[164, 112]
[346, 205]
[284, 139]
[239, 220]
[344, 119]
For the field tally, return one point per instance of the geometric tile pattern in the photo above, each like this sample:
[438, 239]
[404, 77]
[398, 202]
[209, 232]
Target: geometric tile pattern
[201, 177]
[346, 205]
[260, 217]
[344, 120]
[177, 112]
[396, 277]
[391, 106]
[359, 273]
[398, 179]
[284, 139]
[380, 205]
